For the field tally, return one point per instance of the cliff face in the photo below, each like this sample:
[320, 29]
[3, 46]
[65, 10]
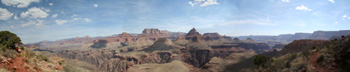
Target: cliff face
[95, 57]
[302, 45]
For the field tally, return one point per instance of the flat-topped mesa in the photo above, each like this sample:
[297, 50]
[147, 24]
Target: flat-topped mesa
[124, 35]
[214, 36]
[121, 38]
[151, 31]
[193, 33]
[154, 34]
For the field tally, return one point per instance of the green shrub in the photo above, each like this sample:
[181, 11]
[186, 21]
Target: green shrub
[305, 53]
[68, 68]
[314, 47]
[9, 53]
[29, 53]
[320, 58]
[261, 61]
[9, 40]
[41, 57]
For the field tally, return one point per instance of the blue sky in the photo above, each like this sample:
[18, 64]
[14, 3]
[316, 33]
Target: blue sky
[37, 20]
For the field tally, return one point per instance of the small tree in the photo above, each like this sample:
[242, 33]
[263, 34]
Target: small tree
[9, 40]
[261, 61]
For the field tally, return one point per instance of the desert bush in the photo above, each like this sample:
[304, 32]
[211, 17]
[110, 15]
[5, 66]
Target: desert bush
[41, 57]
[68, 68]
[320, 58]
[314, 47]
[305, 53]
[29, 53]
[9, 53]
[261, 61]
[4, 70]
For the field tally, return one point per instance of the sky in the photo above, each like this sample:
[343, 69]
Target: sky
[38, 20]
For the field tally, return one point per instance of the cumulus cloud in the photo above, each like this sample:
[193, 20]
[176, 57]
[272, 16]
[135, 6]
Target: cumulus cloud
[60, 22]
[344, 17]
[302, 7]
[203, 2]
[87, 20]
[50, 4]
[95, 5]
[54, 15]
[18, 3]
[31, 22]
[5, 14]
[285, 1]
[332, 1]
[15, 17]
[209, 2]
[34, 13]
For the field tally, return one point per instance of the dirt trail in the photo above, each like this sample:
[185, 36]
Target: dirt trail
[314, 65]
[17, 64]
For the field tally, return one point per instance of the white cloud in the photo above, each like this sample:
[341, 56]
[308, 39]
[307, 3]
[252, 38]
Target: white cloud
[87, 20]
[12, 26]
[203, 2]
[332, 1]
[18, 3]
[336, 22]
[50, 4]
[302, 7]
[345, 16]
[62, 12]
[34, 13]
[31, 22]
[209, 2]
[74, 19]
[60, 22]
[95, 5]
[248, 21]
[54, 15]
[74, 15]
[5, 14]
[192, 4]
[285, 1]
[15, 17]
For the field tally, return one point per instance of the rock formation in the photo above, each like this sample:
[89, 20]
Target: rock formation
[193, 33]
[214, 36]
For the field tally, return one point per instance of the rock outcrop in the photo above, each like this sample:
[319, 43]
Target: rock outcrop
[214, 36]
[193, 33]
[154, 34]
[199, 57]
[302, 45]
[162, 44]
